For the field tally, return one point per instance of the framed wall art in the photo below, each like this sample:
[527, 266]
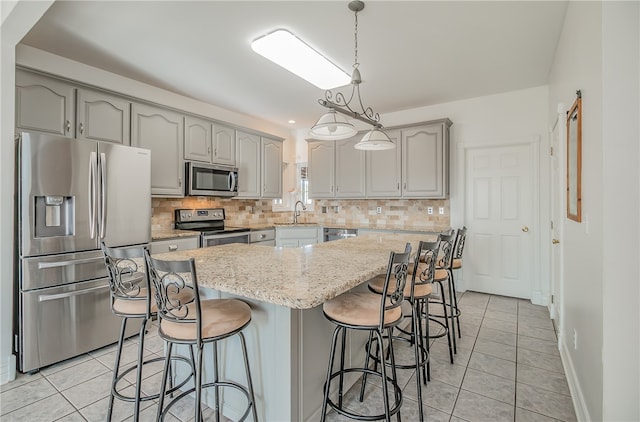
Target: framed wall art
[574, 160]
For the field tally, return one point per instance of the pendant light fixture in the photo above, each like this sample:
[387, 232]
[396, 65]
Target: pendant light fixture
[332, 126]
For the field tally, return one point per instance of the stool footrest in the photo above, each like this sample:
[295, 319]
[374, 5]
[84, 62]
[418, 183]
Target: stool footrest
[393, 407]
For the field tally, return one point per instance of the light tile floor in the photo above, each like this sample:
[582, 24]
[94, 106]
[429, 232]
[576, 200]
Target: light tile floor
[507, 368]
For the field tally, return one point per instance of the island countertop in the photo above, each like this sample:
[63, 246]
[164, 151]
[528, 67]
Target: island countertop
[298, 278]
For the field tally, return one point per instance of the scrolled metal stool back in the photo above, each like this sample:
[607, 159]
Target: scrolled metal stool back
[397, 271]
[125, 278]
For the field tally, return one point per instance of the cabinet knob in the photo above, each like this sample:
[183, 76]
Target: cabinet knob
[525, 229]
[173, 248]
[180, 181]
[68, 125]
[555, 241]
[337, 188]
[81, 128]
[398, 185]
[405, 185]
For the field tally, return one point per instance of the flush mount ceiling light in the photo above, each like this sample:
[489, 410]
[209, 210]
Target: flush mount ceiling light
[332, 126]
[286, 50]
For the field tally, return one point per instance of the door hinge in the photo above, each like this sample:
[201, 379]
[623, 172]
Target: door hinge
[551, 151]
[552, 299]
[16, 347]
[552, 225]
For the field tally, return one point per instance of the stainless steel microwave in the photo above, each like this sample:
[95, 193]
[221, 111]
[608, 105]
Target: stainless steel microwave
[211, 180]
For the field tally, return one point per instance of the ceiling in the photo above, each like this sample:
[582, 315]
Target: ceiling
[411, 54]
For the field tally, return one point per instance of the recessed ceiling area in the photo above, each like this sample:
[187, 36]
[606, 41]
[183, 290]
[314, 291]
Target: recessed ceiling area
[411, 54]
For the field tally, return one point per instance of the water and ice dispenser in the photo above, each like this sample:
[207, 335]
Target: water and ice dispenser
[54, 216]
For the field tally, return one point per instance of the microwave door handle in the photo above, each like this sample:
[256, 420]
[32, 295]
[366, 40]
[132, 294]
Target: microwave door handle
[232, 176]
[92, 194]
[103, 187]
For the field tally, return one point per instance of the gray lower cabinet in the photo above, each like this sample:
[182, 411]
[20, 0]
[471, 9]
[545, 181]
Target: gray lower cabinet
[103, 117]
[197, 139]
[161, 131]
[176, 244]
[44, 104]
[296, 237]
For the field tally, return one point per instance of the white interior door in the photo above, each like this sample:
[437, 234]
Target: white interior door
[499, 215]
[557, 213]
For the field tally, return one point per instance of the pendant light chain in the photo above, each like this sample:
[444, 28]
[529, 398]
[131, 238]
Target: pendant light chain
[356, 64]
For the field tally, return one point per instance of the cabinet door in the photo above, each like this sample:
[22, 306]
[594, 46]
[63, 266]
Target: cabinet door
[161, 131]
[350, 169]
[197, 139]
[224, 145]
[248, 162]
[321, 169]
[44, 104]
[103, 117]
[384, 170]
[271, 168]
[422, 162]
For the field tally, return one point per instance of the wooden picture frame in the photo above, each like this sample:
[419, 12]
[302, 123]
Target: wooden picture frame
[574, 160]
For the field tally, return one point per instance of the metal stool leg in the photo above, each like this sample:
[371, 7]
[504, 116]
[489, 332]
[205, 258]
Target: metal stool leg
[455, 302]
[116, 368]
[327, 382]
[249, 380]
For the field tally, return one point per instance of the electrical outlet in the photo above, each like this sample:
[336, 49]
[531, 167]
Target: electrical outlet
[378, 210]
[430, 210]
[441, 210]
[575, 339]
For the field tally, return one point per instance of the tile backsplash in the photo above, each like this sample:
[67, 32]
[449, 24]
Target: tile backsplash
[395, 213]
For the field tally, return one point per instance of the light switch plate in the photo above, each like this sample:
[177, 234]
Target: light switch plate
[441, 210]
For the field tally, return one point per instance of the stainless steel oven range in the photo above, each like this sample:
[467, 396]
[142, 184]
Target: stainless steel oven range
[210, 223]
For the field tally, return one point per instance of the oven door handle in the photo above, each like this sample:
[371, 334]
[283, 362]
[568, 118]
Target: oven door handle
[225, 236]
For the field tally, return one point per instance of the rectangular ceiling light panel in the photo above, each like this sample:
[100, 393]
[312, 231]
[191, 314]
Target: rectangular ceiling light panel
[286, 50]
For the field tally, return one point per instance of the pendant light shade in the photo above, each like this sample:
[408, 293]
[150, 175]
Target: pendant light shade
[332, 126]
[375, 140]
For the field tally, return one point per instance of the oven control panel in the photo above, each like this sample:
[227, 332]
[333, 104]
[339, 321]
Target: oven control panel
[207, 214]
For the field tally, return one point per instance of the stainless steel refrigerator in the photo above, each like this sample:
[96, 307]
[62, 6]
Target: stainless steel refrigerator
[72, 195]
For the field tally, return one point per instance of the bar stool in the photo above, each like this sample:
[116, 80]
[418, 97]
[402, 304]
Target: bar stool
[377, 314]
[197, 323]
[455, 264]
[417, 294]
[130, 300]
[441, 276]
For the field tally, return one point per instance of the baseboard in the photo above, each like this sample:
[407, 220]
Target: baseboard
[579, 403]
[8, 369]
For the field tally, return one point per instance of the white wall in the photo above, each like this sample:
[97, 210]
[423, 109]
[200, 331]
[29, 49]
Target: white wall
[621, 203]
[598, 53]
[17, 19]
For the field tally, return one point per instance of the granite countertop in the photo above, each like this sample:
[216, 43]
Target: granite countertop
[172, 234]
[298, 278]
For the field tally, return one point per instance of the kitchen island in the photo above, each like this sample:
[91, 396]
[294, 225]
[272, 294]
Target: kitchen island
[289, 338]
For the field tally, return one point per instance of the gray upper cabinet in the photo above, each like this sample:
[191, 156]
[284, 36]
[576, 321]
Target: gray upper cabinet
[425, 160]
[383, 169]
[321, 155]
[44, 104]
[224, 145]
[197, 139]
[161, 131]
[336, 169]
[103, 117]
[271, 168]
[349, 168]
[248, 162]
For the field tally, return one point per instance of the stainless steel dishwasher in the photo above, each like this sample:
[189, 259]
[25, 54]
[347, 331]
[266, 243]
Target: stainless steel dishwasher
[337, 234]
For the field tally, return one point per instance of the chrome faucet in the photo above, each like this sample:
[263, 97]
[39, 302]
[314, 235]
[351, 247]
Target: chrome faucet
[296, 212]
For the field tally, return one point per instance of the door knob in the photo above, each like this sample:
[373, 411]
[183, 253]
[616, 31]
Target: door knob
[555, 241]
[525, 229]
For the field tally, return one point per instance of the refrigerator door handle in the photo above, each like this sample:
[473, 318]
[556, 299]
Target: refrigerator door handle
[92, 195]
[46, 265]
[45, 298]
[103, 186]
